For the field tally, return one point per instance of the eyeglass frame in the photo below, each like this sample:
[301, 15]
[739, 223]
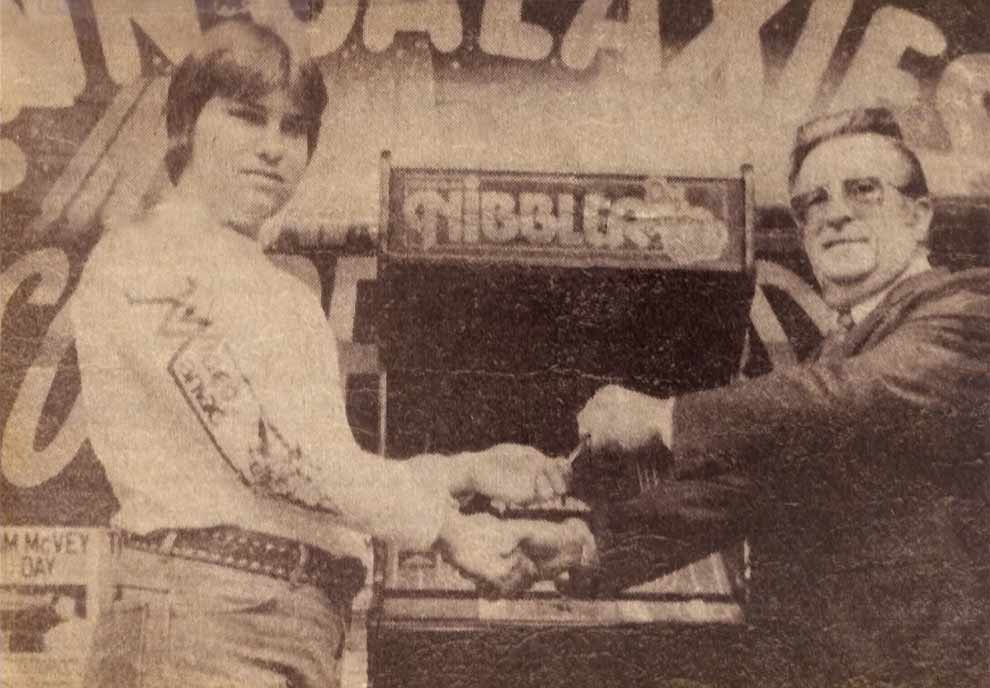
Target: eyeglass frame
[800, 214]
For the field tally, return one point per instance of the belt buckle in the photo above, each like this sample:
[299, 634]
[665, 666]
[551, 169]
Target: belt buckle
[295, 576]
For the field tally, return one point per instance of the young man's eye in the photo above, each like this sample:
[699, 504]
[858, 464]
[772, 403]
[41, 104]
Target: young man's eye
[295, 126]
[247, 114]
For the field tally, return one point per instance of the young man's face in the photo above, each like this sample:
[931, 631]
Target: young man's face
[247, 158]
[859, 231]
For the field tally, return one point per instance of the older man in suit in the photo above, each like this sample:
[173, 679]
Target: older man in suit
[861, 475]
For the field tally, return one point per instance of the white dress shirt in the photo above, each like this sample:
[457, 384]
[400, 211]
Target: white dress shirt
[212, 392]
[862, 309]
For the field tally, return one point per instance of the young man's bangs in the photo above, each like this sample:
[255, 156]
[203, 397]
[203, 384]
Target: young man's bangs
[252, 75]
[249, 75]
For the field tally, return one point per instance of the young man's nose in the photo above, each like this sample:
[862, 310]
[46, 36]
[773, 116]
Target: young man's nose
[271, 144]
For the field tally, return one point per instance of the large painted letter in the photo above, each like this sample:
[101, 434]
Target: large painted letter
[766, 323]
[173, 26]
[504, 33]
[637, 38]
[40, 60]
[962, 98]
[328, 32]
[730, 43]
[441, 19]
[798, 86]
[323, 34]
[875, 77]
[21, 464]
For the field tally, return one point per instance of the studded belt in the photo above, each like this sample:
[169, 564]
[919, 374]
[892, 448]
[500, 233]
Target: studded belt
[340, 578]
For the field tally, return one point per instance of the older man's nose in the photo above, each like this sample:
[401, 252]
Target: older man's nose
[836, 211]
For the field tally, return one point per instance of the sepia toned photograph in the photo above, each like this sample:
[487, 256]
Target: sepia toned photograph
[484, 343]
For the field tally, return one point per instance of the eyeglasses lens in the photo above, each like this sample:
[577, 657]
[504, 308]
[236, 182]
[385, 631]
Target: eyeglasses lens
[860, 193]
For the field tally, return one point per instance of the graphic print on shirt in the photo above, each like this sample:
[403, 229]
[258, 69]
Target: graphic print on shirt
[184, 319]
[222, 398]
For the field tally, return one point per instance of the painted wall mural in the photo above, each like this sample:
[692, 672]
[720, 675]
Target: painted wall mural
[576, 86]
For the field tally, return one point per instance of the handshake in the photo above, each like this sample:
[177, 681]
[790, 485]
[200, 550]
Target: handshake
[506, 556]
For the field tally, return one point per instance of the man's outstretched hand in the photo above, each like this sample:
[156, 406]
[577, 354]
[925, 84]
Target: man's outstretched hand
[486, 550]
[555, 548]
[507, 473]
[619, 418]
[516, 474]
[505, 557]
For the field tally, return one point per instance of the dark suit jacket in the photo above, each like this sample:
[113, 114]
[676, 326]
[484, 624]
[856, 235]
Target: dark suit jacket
[862, 479]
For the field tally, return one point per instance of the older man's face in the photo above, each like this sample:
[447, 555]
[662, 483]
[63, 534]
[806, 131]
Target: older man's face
[859, 231]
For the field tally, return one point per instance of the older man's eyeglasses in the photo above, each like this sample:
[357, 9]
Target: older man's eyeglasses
[861, 194]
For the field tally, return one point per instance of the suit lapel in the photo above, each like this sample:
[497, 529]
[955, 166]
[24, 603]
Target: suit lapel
[881, 319]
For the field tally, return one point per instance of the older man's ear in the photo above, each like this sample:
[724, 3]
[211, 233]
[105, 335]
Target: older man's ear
[921, 220]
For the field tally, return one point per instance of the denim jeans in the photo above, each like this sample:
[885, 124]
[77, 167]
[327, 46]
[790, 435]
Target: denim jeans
[175, 622]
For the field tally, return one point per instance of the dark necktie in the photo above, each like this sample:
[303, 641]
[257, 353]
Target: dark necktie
[844, 321]
[834, 340]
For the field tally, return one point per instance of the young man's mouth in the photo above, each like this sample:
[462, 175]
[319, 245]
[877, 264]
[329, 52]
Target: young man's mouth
[269, 175]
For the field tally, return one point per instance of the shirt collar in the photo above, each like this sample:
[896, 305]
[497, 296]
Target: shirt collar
[183, 215]
[862, 309]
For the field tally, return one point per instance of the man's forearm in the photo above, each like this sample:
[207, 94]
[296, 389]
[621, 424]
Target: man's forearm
[454, 473]
[664, 528]
[933, 365]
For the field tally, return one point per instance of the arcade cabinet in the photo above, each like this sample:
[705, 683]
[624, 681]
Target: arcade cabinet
[507, 300]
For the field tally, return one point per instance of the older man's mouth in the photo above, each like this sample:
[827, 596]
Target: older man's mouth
[841, 241]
